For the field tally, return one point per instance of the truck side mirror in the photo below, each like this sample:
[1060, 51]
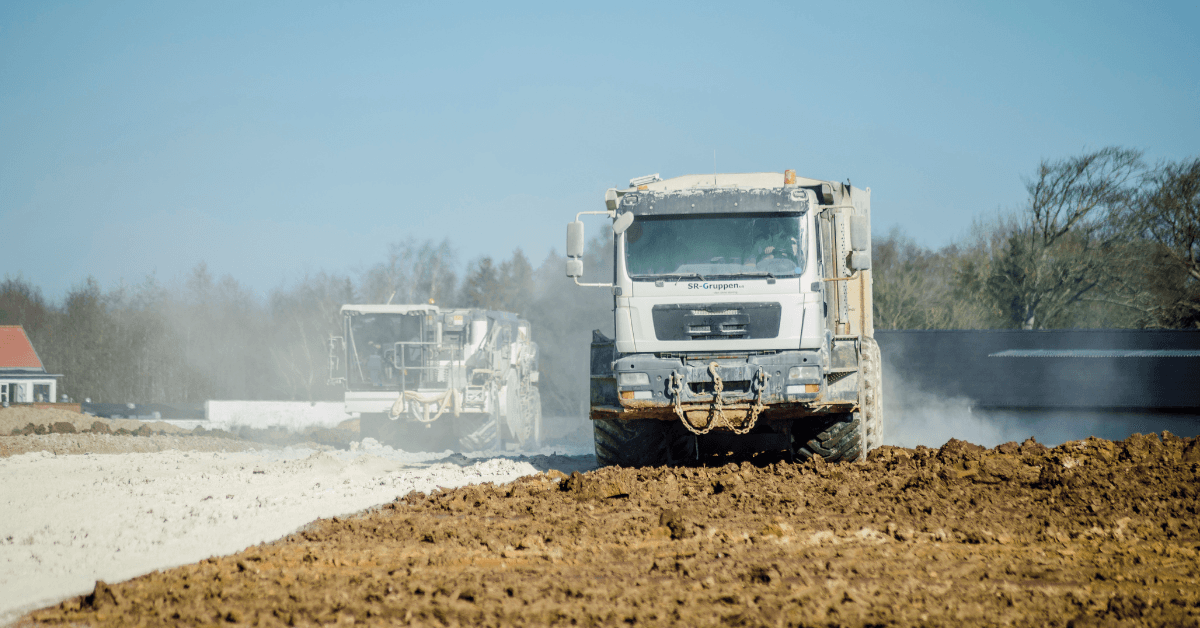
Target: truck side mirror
[860, 233]
[575, 249]
[622, 223]
[860, 260]
[575, 239]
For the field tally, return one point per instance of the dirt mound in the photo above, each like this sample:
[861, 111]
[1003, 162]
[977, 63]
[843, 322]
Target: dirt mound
[18, 419]
[1088, 533]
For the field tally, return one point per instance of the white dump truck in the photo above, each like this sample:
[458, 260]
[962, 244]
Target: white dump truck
[742, 319]
[424, 377]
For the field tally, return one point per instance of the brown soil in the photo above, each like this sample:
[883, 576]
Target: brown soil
[19, 417]
[1089, 533]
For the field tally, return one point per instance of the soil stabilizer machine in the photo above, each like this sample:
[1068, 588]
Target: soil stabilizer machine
[742, 319]
[427, 378]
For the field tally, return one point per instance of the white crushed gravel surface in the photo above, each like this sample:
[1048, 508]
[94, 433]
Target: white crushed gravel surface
[69, 520]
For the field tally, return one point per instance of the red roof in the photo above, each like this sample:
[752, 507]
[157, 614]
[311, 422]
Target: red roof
[16, 352]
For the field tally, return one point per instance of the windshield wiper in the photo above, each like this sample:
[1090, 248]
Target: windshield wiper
[672, 275]
[759, 273]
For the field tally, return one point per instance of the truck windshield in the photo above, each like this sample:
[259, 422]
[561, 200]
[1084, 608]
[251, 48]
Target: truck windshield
[371, 348]
[716, 245]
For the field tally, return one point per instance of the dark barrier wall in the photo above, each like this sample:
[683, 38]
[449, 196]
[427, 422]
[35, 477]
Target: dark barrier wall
[1126, 369]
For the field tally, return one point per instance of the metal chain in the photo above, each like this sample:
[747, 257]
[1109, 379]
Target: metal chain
[716, 414]
[677, 390]
[718, 406]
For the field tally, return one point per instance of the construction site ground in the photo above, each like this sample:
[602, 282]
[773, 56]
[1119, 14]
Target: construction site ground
[1089, 533]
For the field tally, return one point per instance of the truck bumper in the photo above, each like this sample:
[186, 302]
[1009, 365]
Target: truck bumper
[645, 386]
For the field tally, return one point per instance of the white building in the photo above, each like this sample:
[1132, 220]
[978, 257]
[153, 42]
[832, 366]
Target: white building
[23, 379]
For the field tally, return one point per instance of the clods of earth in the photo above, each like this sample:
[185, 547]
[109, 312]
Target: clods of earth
[1089, 533]
[28, 429]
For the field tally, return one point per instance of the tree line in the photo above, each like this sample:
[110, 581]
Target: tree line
[212, 338]
[1102, 240]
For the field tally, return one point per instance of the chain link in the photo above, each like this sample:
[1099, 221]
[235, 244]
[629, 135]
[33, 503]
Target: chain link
[716, 414]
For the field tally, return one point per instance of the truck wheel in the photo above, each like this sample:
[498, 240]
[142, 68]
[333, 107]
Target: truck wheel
[871, 401]
[642, 443]
[836, 437]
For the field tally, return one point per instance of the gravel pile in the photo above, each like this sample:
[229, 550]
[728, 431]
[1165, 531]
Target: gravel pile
[69, 521]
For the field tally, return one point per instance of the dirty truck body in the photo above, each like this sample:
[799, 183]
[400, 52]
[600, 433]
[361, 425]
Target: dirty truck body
[742, 319]
[432, 378]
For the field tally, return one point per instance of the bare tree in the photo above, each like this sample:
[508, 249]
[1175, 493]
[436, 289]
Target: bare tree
[508, 286]
[21, 303]
[1167, 216]
[481, 285]
[302, 320]
[1059, 252]
[413, 273]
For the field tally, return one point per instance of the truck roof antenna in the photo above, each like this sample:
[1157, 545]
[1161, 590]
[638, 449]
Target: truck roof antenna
[391, 297]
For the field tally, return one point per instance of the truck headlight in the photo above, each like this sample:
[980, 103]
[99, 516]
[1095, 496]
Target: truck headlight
[804, 372]
[633, 379]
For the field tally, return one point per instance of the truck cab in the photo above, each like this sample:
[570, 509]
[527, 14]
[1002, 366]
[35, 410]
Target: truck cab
[741, 306]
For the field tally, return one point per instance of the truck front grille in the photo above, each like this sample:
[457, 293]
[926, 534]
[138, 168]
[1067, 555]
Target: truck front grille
[716, 321]
[734, 387]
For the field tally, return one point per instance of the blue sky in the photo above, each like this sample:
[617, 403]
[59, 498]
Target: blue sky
[273, 139]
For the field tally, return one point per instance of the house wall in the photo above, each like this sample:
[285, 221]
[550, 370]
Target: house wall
[22, 390]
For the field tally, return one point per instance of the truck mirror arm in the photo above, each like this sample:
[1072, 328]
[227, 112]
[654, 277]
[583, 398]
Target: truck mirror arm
[591, 285]
[851, 277]
[611, 214]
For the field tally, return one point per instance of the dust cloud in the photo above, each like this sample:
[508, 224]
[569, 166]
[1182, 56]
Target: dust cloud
[914, 416]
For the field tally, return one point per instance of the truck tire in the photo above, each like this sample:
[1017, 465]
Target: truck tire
[871, 401]
[642, 443]
[836, 437]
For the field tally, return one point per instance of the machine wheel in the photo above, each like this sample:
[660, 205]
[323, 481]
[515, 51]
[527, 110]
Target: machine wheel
[522, 412]
[535, 413]
[642, 442]
[871, 397]
[837, 437]
[477, 432]
[529, 419]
